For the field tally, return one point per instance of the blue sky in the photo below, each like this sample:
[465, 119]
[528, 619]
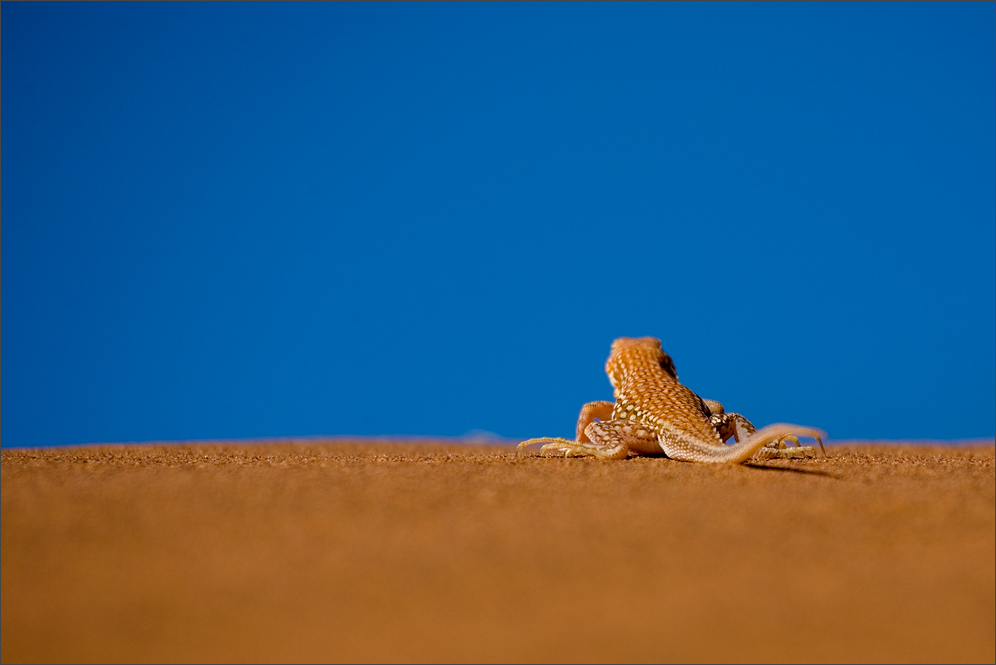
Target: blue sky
[254, 220]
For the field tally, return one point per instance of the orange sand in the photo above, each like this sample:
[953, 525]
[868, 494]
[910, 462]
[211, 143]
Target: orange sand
[423, 552]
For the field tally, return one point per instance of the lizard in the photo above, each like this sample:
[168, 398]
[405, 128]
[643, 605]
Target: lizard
[653, 414]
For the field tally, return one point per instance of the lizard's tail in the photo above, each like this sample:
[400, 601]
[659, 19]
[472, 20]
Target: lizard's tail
[694, 450]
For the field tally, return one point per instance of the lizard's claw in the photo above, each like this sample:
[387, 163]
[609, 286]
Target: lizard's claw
[820, 441]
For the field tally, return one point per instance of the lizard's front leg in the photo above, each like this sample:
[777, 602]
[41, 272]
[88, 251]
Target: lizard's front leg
[589, 412]
[601, 410]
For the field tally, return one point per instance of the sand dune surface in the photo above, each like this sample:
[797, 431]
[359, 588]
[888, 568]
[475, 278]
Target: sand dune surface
[390, 551]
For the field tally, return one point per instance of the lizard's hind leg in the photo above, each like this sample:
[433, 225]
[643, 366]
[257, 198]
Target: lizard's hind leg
[559, 447]
[692, 449]
[609, 439]
[612, 439]
[735, 426]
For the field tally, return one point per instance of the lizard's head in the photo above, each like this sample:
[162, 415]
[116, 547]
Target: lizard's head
[629, 352]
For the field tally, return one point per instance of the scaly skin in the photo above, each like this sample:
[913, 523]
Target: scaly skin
[654, 414]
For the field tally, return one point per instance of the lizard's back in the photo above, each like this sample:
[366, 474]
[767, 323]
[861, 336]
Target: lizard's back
[647, 390]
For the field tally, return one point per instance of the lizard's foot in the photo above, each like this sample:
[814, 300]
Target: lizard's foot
[795, 452]
[554, 444]
[559, 447]
[779, 449]
[781, 442]
[569, 449]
